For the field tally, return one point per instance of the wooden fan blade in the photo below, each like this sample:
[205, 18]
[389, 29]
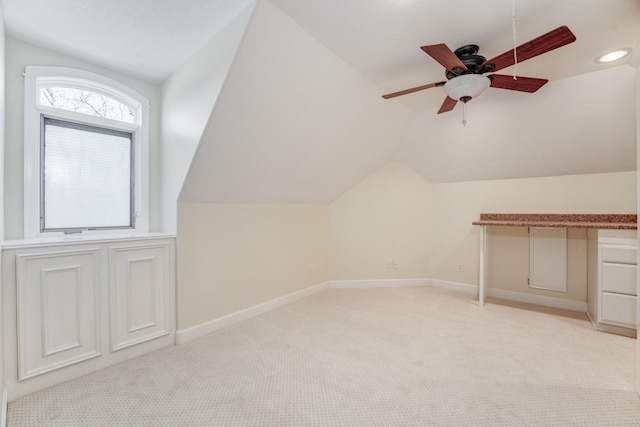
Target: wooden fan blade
[552, 40]
[447, 105]
[444, 55]
[522, 84]
[413, 89]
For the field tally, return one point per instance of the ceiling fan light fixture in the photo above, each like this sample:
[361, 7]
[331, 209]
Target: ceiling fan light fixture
[613, 56]
[467, 86]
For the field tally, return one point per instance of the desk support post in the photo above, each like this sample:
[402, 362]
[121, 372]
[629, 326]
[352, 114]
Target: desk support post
[482, 282]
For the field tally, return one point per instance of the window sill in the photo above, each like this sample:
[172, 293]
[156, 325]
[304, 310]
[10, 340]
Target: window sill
[75, 239]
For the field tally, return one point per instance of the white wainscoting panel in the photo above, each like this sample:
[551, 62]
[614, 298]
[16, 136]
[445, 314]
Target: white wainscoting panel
[139, 293]
[81, 304]
[57, 308]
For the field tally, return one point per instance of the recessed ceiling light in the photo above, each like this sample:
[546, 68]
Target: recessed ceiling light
[613, 56]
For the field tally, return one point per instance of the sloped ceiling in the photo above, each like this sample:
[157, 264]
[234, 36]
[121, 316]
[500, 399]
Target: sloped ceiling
[300, 118]
[144, 38]
[580, 125]
[293, 123]
[381, 38]
[300, 123]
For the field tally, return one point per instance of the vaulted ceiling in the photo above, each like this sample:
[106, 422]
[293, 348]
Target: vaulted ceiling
[300, 118]
[144, 38]
[381, 38]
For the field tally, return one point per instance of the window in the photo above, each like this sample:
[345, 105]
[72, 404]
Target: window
[86, 154]
[86, 102]
[86, 177]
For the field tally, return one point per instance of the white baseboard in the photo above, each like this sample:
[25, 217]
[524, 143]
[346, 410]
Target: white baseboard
[613, 329]
[538, 300]
[454, 286]
[393, 283]
[378, 283]
[466, 289]
[194, 332]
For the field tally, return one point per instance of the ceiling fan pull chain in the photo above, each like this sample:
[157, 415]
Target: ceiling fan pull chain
[464, 111]
[515, 54]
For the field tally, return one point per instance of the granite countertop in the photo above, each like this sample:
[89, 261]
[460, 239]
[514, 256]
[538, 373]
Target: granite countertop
[599, 221]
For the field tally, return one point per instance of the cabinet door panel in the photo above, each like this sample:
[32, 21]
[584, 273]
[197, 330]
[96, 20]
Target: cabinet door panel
[139, 287]
[619, 278]
[57, 309]
[619, 309]
[548, 258]
[619, 254]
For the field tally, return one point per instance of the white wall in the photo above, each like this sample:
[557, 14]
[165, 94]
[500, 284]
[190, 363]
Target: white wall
[235, 256]
[635, 62]
[394, 214]
[638, 193]
[456, 205]
[508, 263]
[293, 127]
[2, 178]
[20, 54]
[188, 97]
[385, 218]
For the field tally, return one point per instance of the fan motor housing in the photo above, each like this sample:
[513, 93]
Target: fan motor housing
[469, 57]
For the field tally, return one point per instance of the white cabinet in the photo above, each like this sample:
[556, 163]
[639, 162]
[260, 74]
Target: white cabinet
[612, 280]
[71, 308]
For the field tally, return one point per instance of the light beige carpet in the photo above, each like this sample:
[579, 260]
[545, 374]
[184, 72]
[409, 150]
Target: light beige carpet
[365, 357]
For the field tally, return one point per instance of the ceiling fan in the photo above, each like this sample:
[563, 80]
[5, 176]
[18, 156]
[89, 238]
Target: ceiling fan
[465, 68]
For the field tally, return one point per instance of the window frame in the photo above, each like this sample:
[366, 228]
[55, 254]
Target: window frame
[37, 77]
[55, 121]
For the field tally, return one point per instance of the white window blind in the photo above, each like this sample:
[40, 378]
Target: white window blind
[87, 180]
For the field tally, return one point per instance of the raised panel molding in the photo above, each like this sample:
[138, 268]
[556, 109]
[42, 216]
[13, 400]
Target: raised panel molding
[60, 308]
[139, 293]
[140, 284]
[57, 310]
[75, 306]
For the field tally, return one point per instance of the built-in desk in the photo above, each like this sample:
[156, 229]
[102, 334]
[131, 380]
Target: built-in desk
[585, 221]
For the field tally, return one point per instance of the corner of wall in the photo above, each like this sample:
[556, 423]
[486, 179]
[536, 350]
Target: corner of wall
[380, 228]
[189, 96]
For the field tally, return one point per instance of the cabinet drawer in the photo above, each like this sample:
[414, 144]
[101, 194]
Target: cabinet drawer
[619, 254]
[619, 278]
[618, 309]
